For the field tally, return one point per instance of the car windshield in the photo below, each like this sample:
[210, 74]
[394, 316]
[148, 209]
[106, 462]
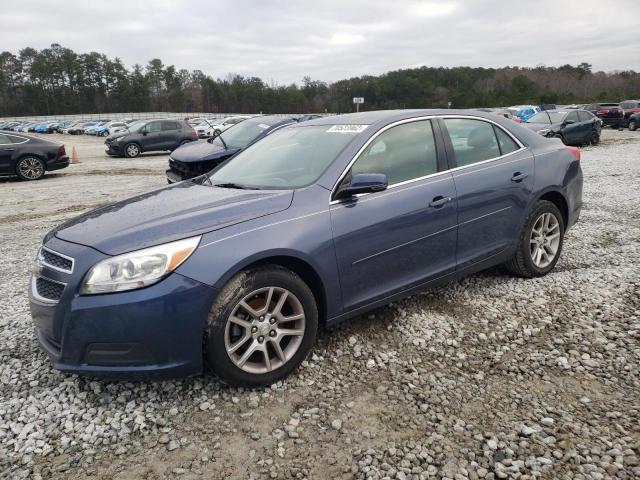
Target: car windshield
[243, 133]
[547, 118]
[137, 126]
[289, 158]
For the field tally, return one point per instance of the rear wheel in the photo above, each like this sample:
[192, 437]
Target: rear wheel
[632, 125]
[131, 150]
[30, 168]
[540, 242]
[261, 327]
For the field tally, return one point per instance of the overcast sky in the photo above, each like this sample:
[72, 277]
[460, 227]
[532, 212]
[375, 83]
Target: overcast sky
[284, 40]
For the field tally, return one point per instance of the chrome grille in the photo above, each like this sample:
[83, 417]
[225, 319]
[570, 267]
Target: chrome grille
[55, 260]
[48, 289]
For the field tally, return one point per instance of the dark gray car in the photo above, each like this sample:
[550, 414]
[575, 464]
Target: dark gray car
[150, 136]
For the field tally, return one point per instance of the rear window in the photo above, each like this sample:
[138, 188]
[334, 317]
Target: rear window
[629, 105]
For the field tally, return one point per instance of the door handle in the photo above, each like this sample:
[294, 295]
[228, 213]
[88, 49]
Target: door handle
[8, 149]
[439, 201]
[518, 177]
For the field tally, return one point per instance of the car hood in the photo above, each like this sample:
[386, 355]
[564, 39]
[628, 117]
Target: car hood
[201, 150]
[171, 213]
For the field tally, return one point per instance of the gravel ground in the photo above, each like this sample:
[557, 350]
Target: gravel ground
[489, 377]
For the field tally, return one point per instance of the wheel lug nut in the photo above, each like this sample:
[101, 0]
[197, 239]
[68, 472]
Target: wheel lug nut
[262, 318]
[260, 339]
[254, 329]
[272, 321]
[272, 333]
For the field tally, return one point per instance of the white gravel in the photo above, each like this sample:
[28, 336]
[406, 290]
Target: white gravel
[490, 377]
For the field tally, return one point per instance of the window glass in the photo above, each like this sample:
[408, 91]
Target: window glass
[402, 153]
[153, 127]
[169, 126]
[507, 145]
[4, 140]
[572, 117]
[290, 158]
[473, 140]
[584, 116]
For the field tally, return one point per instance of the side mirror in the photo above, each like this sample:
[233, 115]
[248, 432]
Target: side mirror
[363, 183]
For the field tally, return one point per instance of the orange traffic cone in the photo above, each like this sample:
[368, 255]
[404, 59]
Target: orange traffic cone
[74, 155]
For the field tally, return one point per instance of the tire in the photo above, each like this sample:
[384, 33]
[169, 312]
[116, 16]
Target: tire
[557, 135]
[595, 138]
[255, 335]
[131, 150]
[105, 133]
[632, 125]
[522, 263]
[30, 168]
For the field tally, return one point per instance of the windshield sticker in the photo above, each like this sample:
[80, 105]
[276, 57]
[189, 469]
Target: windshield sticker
[263, 126]
[347, 128]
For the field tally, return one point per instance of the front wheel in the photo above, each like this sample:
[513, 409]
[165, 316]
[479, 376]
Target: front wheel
[131, 150]
[632, 125]
[540, 242]
[560, 137]
[261, 327]
[595, 138]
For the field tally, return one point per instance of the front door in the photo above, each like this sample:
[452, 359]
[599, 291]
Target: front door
[152, 137]
[7, 151]
[493, 177]
[390, 240]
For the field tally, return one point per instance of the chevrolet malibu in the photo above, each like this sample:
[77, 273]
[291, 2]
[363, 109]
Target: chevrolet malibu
[317, 223]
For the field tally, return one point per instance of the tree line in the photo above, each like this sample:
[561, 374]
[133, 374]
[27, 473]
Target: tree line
[57, 80]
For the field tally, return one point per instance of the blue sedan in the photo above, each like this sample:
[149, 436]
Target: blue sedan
[316, 223]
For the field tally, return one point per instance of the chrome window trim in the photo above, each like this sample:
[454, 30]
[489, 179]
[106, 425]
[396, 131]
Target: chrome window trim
[42, 262]
[11, 135]
[34, 289]
[416, 119]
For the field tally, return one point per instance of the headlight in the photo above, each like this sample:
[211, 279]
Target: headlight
[137, 269]
[544, 132]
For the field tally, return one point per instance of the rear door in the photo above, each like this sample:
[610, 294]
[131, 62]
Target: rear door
[574, 130]
[171, 133]
[493, 175]
[390, 240]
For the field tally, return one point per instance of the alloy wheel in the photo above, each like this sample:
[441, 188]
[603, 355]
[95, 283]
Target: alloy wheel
[133, 150]
[31, 168]
[545, 240]
[265, 330]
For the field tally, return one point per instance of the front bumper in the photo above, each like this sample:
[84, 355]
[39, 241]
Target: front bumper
[154, 332]
[112, 149]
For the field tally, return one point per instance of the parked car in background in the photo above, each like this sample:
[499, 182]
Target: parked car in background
[524, 112]
[611, 114]
[202, 156]
[93, 126]
[212, 128]
[105, 129]
[630, 107]
[573, 127]
[634, 121]
[79, 128]
[29, 157]
[502, 112]
[548, 106]
[62, 125]
[150, 136]
[317, 223]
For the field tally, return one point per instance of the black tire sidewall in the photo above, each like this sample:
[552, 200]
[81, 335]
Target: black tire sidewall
[44, 168]
[541, 207]
[632, 126]
[216, 356]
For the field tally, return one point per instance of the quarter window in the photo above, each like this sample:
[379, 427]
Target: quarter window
[506, 143]
[5, 140]
[473, 140]
[402, 153]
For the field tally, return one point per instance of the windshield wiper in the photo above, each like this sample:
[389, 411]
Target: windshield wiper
[233, 185]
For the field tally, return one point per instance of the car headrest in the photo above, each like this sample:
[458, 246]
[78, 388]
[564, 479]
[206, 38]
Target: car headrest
[478, 138]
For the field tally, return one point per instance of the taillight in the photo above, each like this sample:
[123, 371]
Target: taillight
[602, 112]
[194, 133]
[61, 151]
[575, 151]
